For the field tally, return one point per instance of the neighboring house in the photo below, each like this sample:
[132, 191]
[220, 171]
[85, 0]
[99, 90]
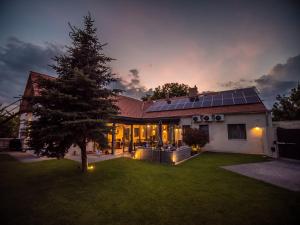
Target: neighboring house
[235, 120]
[285, 139]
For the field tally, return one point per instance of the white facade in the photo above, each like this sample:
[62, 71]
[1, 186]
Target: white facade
[257, 132]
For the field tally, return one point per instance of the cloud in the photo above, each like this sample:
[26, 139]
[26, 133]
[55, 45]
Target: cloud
[133, 87]
[241, 83]
[17, 58]
[280, 79]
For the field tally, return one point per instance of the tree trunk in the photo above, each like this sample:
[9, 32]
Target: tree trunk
[84, 164]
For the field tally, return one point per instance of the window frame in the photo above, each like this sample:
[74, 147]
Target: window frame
[205, 125]
[243, 132]
[136, 132]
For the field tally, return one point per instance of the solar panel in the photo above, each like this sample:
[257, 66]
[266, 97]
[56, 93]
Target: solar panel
[208, 98]
[172, 106]
[252, 99]
[165, 107]
[198, 104]
[227, 94]
[206, 103]
[223, 98]
[179, 106]
[188, 105]
[228, 101]
[249, 92]
[239, 101]
[217, 102]
[237, 95]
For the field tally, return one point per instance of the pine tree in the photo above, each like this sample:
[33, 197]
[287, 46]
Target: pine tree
[75, 108]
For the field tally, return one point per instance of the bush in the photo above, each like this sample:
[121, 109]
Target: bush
[15, 145]
[195, 137]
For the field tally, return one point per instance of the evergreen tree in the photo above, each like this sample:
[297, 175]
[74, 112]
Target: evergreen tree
[74, 108]
[287, 107]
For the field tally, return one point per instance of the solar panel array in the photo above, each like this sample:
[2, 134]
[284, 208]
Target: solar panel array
[223, 98]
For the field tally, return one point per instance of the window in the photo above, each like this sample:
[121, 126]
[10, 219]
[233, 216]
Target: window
[237, 131]
[205, 129]
[126, 133]
[136, 132]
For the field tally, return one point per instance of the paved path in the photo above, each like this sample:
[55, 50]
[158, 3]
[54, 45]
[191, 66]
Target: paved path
[95, 158]
[285, 174]
[26, 157]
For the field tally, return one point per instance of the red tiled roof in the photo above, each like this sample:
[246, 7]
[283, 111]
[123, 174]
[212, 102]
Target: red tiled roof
[134, 108]
[129, 107]
[34, 76]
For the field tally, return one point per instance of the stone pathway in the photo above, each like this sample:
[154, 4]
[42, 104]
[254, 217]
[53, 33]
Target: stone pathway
[92, 158]
[26, 157]
[29, 157]
[285, 174]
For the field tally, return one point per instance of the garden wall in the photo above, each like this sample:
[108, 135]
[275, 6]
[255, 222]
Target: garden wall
[163, 156]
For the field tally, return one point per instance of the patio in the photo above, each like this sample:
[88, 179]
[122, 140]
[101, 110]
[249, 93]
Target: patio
[281, 173]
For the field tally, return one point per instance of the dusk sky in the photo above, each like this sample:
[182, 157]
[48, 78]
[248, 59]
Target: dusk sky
[215, 45]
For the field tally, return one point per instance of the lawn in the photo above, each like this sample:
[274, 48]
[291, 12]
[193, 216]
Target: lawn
[128, 192]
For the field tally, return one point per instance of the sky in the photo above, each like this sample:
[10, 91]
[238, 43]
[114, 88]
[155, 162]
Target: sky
[216, 45]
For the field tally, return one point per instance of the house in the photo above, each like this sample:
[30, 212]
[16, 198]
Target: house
[234, 120]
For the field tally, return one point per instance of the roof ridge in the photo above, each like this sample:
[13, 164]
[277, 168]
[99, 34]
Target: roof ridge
[37, 73]
[130, 98]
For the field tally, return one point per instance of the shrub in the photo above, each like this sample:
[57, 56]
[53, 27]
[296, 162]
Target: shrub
[15, 145]
[195, 137]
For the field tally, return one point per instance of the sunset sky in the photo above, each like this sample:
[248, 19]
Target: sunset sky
[215, 45]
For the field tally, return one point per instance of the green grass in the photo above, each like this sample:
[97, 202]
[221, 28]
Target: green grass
[125, 191]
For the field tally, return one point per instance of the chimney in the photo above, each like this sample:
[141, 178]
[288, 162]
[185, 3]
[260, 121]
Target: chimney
[168, 98]
[193, 93]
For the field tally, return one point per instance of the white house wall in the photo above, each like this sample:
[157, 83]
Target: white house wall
[256, 131]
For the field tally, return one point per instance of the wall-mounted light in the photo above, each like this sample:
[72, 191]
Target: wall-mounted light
[256, 131]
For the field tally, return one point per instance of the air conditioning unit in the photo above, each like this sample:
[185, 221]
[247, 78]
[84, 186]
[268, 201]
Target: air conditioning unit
[219, 117]
[196, 119]
[207, 118]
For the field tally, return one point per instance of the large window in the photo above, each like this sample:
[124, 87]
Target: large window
[237, 131]
[205, 129]
[136, 132]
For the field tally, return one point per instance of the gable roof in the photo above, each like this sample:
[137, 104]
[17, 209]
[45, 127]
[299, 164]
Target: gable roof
[134, 108]
[34, 77]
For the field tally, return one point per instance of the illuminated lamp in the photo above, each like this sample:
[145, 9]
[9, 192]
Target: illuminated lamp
[257, 131]
[91, 167]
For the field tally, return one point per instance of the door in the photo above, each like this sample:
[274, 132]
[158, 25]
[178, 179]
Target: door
[288, 143]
